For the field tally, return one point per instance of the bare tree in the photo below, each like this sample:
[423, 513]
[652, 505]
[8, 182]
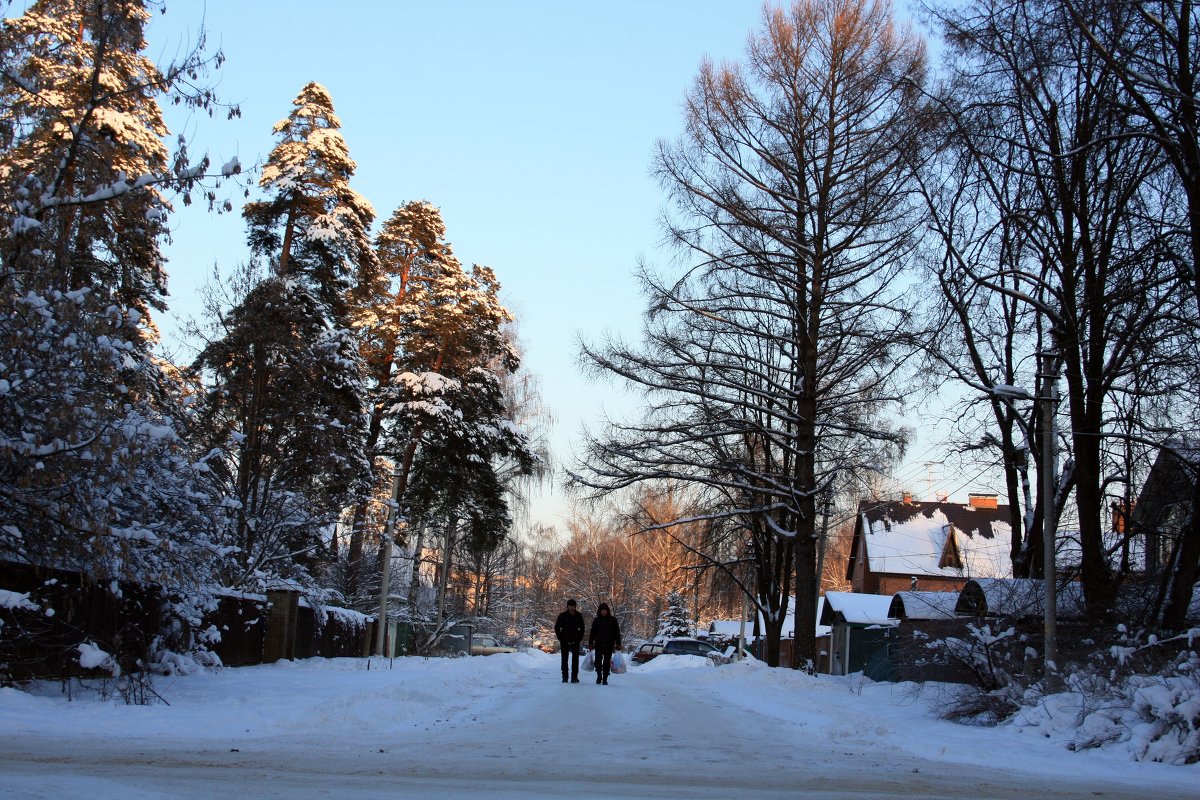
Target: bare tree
[1153, 49]
[770, 359]
[1079, 234]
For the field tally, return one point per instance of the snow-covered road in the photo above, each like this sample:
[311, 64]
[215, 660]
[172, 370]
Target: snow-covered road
[505, 727]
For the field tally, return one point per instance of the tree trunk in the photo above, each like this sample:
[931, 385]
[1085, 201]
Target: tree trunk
[451, 529]
[414, 586]
[285, 250]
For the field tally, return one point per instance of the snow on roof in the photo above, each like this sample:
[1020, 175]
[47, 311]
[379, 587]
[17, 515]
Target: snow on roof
[729, 628]
[915, 539]
[1017, 597]
[857, 609]
[923, 605]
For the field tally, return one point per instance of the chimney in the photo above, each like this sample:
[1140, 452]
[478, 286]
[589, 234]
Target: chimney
[983, 500]
[908, 498]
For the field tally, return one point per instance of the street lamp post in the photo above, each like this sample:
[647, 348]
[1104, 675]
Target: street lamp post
[1048, 375]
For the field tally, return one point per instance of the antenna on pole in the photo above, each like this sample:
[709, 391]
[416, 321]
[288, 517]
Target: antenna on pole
[929, 481]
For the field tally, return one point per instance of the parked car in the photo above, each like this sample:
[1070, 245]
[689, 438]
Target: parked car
[484, 645]
[646, 652]
[678, 647]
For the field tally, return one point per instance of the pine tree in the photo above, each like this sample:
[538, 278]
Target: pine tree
[313, 226]
[286, 387]
[674, 621]
[95, 473]
[433, 337]
[83, 151]
[410, 245]
[289, 412]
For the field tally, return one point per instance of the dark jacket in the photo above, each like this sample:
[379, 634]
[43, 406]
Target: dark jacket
[606, 631]
[569, 627]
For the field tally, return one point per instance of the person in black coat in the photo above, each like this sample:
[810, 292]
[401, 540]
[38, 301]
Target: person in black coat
[569, 629]
[604, 637]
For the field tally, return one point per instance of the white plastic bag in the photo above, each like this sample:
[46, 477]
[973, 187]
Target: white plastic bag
[618, 663]
[589, 662]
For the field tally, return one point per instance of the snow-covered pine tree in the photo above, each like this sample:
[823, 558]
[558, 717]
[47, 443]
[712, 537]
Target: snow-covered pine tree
[287, 410]
[94, 475]
[411, 242]
[433, 337]
[312, 226]
[284, 374]
[674, 621]
[83, 154]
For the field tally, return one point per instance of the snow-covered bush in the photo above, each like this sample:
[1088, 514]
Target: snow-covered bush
[1145, 693]
[994, 655]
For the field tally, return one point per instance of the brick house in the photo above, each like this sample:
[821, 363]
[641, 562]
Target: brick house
[908, 545]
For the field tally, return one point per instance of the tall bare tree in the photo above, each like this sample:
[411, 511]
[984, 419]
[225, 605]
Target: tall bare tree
[1153, 49]
[770, 360]
[1077, 234]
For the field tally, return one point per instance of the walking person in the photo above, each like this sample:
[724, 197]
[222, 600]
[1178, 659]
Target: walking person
[603, 638]
[569, 629]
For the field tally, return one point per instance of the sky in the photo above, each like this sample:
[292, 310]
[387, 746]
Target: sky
[531, 125]
[504, 726]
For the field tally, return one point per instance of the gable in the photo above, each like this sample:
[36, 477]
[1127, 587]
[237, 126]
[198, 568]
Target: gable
[950, 555]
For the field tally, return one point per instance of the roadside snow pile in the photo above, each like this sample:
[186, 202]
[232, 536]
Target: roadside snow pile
[661, 663]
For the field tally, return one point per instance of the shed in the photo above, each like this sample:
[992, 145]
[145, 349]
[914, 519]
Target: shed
[859, 631]
[923, 605]
[923, 619]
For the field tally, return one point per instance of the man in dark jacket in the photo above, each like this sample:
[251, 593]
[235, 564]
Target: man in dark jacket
[605, 635]
[569, 629]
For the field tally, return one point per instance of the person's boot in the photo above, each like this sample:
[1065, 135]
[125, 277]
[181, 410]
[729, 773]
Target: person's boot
[564, 678]
[597, 676]
[574, 679]
[605, 681]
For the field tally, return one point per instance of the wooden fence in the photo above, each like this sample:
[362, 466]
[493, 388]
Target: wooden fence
[42, 641]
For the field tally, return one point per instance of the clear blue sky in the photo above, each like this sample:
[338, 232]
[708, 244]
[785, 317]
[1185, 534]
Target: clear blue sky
[530, 124]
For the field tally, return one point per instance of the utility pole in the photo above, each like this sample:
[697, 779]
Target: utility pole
[1048, 375]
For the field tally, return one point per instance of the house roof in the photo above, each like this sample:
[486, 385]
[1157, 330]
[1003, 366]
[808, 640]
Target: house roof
[729, 628]
[1017, 597]
[856, 609]
[1169, 483]
[923, 605]
[923, 539]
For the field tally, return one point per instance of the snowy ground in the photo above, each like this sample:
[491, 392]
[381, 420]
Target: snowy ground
[504, 726]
